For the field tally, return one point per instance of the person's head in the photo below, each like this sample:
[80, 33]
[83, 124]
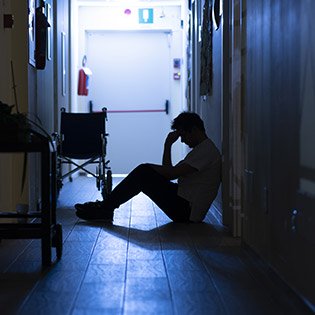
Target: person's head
[190, 127]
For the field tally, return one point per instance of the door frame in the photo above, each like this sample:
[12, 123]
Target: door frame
[233, 103]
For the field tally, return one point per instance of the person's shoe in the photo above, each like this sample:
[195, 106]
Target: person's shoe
[98, 205]
[95, 215]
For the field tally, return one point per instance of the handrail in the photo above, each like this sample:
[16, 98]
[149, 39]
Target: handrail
[134, 110]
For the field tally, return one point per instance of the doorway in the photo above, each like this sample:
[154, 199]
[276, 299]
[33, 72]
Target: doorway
[138, 66]
[131, 78]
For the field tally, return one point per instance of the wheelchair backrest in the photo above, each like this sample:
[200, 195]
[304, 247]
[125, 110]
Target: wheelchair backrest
[82, 134]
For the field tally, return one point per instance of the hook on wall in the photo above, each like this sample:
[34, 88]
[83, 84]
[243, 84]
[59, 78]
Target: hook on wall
[84, 60]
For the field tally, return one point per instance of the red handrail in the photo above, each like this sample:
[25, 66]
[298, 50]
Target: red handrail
[137, 111]
[133, 110]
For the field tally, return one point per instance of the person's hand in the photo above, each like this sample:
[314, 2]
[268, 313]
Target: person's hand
[171, 138]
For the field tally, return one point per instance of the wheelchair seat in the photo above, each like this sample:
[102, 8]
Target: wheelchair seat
[83, 137]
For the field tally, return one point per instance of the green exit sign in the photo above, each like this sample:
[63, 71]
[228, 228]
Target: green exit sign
[146, 16]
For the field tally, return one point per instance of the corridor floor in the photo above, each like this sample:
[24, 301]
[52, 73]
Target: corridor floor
[142, 264]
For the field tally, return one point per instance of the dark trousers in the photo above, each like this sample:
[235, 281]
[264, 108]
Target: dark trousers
[159, 189]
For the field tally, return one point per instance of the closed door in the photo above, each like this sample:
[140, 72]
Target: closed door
[131, 74]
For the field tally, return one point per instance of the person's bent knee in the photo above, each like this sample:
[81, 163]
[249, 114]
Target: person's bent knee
[144, 167]
[143, 170]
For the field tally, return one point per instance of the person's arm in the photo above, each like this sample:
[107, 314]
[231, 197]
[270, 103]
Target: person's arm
[167, 169]
[167, 153]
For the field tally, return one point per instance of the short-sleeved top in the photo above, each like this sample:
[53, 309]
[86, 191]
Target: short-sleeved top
[201, 187]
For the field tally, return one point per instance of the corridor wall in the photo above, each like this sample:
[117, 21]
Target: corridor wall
[279, 156]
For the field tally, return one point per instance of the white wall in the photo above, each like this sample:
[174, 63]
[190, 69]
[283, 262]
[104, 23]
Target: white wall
[113, 18]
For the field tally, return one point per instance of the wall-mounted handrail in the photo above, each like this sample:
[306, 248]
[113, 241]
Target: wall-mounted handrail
[166, 109]
[137, 111]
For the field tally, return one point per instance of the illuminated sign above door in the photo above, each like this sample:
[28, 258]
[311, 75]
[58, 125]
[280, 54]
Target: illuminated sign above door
[145, 16]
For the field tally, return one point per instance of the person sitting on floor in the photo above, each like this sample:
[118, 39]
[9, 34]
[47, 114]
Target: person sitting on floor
[198, 174]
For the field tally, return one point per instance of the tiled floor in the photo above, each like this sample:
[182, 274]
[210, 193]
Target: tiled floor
[142, 264]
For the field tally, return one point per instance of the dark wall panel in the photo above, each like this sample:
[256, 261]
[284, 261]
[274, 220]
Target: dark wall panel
[277, 213]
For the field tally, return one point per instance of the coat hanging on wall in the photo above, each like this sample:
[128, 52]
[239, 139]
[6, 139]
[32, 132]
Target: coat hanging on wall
[84, 77]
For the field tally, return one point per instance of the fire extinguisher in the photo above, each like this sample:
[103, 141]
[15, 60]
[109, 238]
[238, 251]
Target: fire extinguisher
[84, 77]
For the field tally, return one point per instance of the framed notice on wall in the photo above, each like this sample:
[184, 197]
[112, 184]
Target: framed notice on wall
[31, 31]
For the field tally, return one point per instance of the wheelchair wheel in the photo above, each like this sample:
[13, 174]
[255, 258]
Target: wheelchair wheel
[103, 190]
[98, 181]
[107, 184]
[109, 181]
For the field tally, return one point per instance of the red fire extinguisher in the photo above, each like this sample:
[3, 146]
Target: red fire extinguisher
[84, 76]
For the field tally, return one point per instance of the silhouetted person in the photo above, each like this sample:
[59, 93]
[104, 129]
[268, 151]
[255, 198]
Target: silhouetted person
[198, 174]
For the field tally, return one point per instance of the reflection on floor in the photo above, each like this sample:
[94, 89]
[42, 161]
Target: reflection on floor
[142, 264]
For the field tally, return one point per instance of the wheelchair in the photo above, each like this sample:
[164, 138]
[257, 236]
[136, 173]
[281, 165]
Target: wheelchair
[83, 137]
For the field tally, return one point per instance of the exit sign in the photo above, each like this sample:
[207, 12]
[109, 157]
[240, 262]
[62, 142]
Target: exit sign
[146, 16]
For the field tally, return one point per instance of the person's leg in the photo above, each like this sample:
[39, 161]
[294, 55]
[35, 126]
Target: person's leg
[144, 179]
[164, 193]
[159, 189]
